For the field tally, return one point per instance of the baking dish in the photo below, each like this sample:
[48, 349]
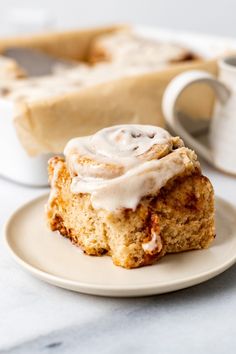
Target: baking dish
[127, 100]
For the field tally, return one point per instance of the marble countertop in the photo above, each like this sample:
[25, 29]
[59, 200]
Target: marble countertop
[36, 317]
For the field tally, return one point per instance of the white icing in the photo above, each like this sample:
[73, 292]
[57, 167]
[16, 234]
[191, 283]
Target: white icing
[122, 146]
[155, 244]
[119, 144]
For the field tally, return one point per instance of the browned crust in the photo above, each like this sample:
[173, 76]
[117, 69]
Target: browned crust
[188, 56]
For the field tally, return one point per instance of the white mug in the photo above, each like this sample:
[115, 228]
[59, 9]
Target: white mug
[222, 136]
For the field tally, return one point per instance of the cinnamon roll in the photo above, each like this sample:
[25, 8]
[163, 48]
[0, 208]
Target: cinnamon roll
[133, 192]
[131, 49]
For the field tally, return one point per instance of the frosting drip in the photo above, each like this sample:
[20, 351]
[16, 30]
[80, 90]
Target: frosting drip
[154, 245]
[121, 164]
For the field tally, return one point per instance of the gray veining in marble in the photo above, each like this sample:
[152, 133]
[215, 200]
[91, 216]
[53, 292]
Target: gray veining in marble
[192, 320]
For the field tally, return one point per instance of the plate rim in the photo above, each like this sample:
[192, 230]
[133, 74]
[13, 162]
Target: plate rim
[107, 289]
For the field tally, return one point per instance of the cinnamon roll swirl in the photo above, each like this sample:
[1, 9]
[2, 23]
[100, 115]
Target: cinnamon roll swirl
[121, 164]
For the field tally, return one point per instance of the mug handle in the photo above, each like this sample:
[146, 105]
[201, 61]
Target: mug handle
[171, 95]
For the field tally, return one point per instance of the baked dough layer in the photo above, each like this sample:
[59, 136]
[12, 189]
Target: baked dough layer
[181, 214]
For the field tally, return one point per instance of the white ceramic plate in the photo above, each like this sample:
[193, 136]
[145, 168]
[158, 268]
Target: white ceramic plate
[55, 260]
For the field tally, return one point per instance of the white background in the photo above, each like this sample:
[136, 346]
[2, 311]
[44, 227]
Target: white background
[207, 16]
